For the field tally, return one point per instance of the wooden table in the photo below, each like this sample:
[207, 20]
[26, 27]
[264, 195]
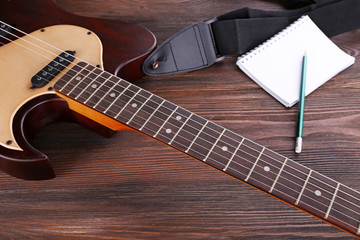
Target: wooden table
[132, 187]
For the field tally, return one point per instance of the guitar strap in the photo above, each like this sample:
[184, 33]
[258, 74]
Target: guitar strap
[234, 33]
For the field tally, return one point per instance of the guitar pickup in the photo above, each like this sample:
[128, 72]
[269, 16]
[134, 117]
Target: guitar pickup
[50, 71]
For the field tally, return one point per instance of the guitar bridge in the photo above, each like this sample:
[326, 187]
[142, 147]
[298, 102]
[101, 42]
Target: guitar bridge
[50, 71]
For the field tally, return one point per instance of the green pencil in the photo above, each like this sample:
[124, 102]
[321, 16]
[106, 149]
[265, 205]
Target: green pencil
[299, 134]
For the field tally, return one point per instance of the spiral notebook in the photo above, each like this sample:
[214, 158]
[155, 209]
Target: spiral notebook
[276, 64]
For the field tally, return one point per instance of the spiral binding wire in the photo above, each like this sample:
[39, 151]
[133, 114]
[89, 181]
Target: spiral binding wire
[277, 37]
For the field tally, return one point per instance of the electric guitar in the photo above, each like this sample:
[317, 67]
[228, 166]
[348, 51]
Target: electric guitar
[45, 69]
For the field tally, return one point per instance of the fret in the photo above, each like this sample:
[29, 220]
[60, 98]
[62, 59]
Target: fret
[233, 155]
[266, 170]
[345, 211]
[332, 201]
[137, 111]
[213, 146]
[73, 74]
[187, 133]
[278, 175]
[205, 141]
[178, 131]
[152, 114]
[66, 79]
[160, 119]
[121, 90]
[99, 90]
[290, 182]
[81, 90]
[197, 135]
[91, 75]
[318, 194]
[244, 159]
[252, 168]
[303, 188]
[108, 92]
[167, 119]
[127, 103]
[96, 88]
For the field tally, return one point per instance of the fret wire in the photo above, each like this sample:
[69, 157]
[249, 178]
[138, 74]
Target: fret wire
[197, 135]
[278, 175]
[115, 100]
[234, 154]
[358, 230]
[295, 169]
[76, 75]
[76, 85]
[152, 114]
[217, 140]
[332, 201]
[108, 91]
[252, 169]
[127, 103]
[85, 87]
[102, 84]
[346, 193]
[166, 121]
[178, 131]
[303, 188]
[139, 109]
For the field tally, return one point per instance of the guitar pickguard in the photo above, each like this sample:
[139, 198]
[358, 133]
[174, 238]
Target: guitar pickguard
[21, 59]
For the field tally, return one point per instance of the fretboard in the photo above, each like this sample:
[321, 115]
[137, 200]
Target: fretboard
[206, 141]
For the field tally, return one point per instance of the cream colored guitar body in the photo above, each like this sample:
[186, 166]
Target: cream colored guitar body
[21, 59]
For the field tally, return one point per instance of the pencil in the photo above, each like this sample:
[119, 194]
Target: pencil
[299, 135]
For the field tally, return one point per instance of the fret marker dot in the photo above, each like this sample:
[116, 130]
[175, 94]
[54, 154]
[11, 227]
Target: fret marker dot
[134, 105]
[78, 78]
[318, 193]
[178, 118]
[168, 130]
[94, 86]
[266, 168]
[112, 94]
[224, 148]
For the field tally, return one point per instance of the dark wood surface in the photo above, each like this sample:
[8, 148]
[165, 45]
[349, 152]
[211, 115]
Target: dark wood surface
[132, 187]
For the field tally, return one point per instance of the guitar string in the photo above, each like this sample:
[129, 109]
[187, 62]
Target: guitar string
[270, 156]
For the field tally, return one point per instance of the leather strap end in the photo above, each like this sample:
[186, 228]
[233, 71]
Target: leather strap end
[190, 49]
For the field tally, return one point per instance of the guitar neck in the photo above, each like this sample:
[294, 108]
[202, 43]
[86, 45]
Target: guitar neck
[218, 147]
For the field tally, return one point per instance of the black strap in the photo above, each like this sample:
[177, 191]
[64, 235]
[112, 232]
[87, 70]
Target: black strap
[234, 33]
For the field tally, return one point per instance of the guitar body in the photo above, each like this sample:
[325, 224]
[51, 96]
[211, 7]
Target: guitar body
[25, 110]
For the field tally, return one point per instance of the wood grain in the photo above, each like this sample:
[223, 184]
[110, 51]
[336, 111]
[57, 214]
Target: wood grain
[132, 187]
